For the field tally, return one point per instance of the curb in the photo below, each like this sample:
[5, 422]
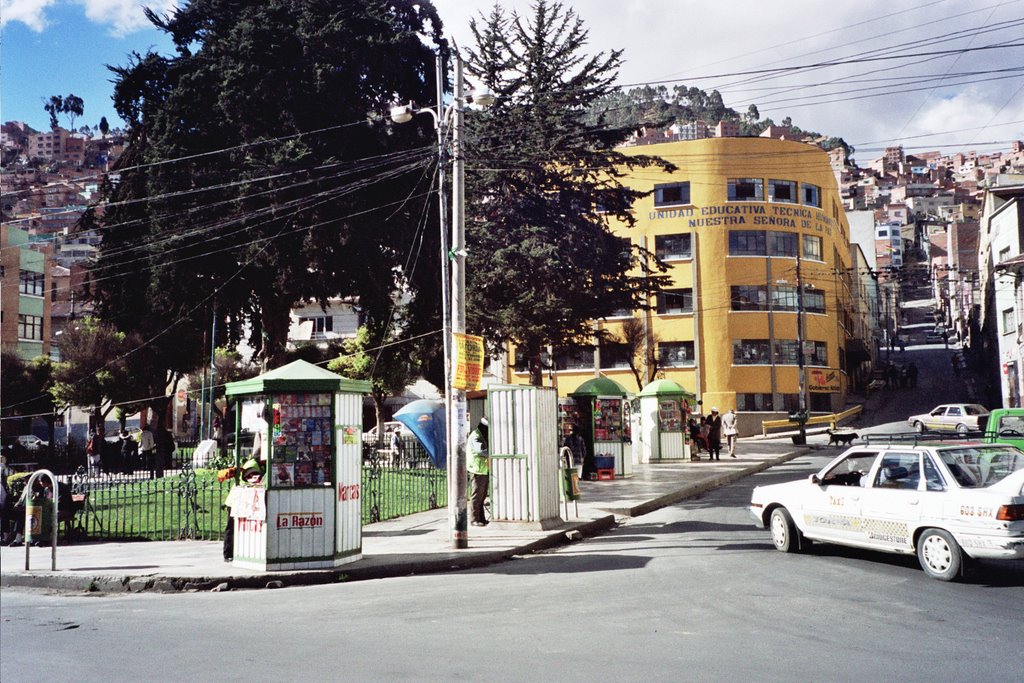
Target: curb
[454, 561]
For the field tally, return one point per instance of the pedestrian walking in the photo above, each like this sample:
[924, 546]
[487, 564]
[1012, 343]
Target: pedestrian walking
[395, 445]
[93, 449]
[577, 445]
[730, 431]
[479, 466]
[705, 429]
[695, 438]
[714, 434]
[147, 450]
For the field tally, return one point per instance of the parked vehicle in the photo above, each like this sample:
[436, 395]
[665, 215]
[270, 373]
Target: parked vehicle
[943, 503]
[31, 442]
[933, 337]
[1005, 425]
[370, 435]
[961, 418]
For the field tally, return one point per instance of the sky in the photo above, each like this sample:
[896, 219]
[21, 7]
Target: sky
[954, 101]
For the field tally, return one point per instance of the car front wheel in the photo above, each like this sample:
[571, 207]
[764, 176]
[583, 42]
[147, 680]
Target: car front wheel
[785, 535]
[939, 554]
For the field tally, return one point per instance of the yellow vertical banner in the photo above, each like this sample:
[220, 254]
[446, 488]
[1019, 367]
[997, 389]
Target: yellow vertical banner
[468, 363]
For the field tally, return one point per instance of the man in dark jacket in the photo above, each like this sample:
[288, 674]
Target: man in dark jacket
[714, 434]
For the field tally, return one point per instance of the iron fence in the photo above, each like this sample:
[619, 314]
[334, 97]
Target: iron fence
[188, 503]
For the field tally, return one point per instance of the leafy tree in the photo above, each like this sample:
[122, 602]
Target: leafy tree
[383, 360]
[310, 198]
[104, 127]
[24, 386]
[72, 106]
[91, 369]
[542, 260]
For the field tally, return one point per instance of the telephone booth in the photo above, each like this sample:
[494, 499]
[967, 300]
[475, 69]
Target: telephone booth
[664, 409]
[306, 425]
[603, 414]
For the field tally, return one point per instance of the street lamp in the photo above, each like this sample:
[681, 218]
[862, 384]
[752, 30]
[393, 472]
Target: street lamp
[455, 399]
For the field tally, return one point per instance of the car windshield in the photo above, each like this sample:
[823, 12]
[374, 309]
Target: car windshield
[976, 468]
[1011, 423]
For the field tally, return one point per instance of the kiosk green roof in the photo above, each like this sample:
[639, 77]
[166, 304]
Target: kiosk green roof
[599, 386]
[665, 387]
[298, 375]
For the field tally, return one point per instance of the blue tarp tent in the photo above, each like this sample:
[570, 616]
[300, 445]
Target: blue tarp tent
[425, 419]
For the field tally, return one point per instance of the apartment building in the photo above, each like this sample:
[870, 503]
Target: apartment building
[25, 283]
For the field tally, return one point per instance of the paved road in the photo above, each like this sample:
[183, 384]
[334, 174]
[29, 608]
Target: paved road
[691, 592]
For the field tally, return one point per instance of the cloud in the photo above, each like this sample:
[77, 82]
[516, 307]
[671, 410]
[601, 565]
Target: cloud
[122, 17]
[28, 12]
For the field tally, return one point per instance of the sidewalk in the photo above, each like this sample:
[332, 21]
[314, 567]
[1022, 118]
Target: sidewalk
[415, 544]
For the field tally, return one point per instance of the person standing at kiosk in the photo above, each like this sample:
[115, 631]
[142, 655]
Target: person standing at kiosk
[479, 466]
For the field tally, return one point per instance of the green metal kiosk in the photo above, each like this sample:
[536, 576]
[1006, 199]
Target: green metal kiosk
[664, 409]
[305, 425]
[603, 414]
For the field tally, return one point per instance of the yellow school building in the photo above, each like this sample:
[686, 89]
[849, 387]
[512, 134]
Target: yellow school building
[746, 226]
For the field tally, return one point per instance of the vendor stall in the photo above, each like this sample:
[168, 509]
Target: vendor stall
[304, 425]
[604, 419]
[664, 409]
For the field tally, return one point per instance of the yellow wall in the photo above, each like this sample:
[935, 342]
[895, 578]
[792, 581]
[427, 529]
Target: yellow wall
[708, 165]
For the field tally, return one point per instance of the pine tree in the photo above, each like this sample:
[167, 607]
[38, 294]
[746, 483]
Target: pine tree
[543, 182]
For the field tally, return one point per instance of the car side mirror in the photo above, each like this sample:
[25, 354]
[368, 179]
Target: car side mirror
[814, 479]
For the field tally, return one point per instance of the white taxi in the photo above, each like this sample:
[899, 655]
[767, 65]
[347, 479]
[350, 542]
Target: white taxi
[940, 501]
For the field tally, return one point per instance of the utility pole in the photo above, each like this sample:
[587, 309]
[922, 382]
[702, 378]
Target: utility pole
[801, 379]
[457, 420]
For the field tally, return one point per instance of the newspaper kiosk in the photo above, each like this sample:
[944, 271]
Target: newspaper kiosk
[604, 419]
[664, 409]
[305, 425]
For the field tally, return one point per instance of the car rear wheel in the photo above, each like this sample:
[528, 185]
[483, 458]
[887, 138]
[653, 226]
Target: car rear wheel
[961, 430]
[785, 535]
[919, 427]
[939, 554]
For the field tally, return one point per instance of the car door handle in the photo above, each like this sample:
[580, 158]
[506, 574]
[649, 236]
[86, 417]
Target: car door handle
[854, 498]
[913, 501]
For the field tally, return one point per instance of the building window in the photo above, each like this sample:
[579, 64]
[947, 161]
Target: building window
[812, 247]
[675, 354]
[749, 298]
[574, 358]
[1009, 322]
[784, 298]
[614, 355]
[321, 325]
[814, 300]
[786, 352]
[812, 195]
[782, 191]
[782, 243]
[746, 190]
[31, 282]
[751, 352]
[668, 247]
[1004, 254]
[754, 402]
[30, 327]
[817, 354]
[672, 194]
[674, 301]
[747, 243]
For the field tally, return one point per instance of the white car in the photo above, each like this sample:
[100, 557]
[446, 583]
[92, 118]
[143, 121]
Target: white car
[31, 442]
[961, 418]
[939, 501]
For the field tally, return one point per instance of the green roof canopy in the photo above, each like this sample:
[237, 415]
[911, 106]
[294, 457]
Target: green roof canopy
[665, 387]
[599, 386]
[299, 375]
